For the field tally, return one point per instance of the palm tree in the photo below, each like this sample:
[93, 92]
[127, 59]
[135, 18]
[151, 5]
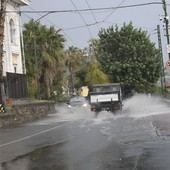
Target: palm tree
[31, 52]
[51, 62]
[49, 47]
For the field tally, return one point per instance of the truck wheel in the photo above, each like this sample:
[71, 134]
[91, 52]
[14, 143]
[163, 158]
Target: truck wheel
[97, 113]
[112, 110]
[120, 106]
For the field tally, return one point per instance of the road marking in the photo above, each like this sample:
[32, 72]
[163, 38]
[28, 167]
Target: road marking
[36, 134]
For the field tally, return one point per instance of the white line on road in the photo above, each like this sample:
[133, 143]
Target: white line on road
[36, 134]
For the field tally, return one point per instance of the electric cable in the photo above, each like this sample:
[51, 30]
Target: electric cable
[85, 10]
[114, 10]
[92, 14]
[55, 26]
[82, 19]
[93, 9]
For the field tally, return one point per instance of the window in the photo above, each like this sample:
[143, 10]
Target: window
[15, 68]
[15, 61]
[12, 30]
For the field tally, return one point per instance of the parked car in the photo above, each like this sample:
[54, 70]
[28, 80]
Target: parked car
[78, 102]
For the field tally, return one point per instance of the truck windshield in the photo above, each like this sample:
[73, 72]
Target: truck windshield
[105, 88]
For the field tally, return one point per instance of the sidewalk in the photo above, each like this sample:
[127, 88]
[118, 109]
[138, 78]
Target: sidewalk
[162, 124]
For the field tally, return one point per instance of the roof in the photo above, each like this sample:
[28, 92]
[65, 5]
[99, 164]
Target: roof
[21, 2]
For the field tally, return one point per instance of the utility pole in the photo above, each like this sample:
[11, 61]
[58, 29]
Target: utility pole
[163, 82]
[167, 28]
[36, 58]
[35, 25]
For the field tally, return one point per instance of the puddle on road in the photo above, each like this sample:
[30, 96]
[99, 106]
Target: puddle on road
[38, 159]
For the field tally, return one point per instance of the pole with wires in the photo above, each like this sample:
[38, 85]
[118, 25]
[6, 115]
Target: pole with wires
[163, 82]
[167, 28]
[35, 26]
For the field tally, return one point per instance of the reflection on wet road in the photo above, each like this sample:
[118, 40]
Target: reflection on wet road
[134, 139]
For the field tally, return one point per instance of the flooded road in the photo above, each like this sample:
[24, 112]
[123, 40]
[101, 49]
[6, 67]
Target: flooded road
[135, 139]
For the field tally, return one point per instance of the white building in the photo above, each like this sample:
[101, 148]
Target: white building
[13, 60]
[15, 84]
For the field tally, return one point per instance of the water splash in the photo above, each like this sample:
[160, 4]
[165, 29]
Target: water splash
[137, 106]
[76, 114]
[143, 105]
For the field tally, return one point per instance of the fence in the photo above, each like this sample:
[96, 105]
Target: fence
[16, 86]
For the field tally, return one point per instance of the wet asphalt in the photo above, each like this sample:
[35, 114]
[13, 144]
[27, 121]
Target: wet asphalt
[135, 139]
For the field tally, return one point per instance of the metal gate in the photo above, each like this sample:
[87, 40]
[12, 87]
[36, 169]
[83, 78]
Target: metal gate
[16, 86]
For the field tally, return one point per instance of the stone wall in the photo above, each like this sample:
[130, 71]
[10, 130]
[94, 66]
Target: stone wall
[16, 114]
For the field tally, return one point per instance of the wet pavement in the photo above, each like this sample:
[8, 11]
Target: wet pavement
[135, 139]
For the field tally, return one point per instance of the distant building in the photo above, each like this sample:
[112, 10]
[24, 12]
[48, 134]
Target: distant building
[13, 61]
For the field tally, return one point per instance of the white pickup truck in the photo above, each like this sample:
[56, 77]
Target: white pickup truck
[105, 97]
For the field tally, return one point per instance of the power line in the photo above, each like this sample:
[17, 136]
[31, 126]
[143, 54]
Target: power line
[72, 28]
[85, 10]
[108, 22]
[63, 32]
[92, 9]
[43, 16]
[114, 10]
[27, 16]
[82, 26]
[93, 14]
[82, 19]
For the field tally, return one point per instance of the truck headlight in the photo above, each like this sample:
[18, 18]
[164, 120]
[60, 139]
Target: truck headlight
[85, 105]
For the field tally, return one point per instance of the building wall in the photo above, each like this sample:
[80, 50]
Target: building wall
[12, 61]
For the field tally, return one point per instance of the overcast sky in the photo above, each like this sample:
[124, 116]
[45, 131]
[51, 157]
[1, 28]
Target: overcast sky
[79, 27]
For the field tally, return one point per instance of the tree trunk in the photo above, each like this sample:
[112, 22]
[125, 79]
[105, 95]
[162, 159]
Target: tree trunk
[2, 23]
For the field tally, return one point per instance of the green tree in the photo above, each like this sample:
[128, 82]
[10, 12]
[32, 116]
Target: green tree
[51, 62]
[128, 56]
[93, 71]
[43, 48]
[95, 75]
[74, 62]
[83, 67]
